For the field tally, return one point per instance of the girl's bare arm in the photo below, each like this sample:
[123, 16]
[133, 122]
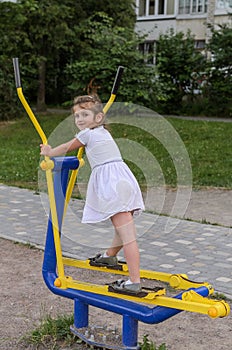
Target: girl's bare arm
[47, 150]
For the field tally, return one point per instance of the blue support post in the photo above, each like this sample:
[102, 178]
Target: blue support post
[81, 314]
[129, 332]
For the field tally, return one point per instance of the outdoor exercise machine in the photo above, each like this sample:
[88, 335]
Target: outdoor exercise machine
[151, 306]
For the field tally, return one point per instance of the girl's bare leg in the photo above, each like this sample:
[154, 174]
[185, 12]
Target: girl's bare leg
[126, 236]
[116, 245]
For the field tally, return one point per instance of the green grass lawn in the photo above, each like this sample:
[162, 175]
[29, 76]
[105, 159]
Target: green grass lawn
[208, 145]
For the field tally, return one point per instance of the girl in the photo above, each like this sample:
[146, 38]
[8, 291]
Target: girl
[112, 192]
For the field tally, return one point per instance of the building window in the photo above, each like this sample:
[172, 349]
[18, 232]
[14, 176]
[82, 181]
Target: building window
[192, 6]
[199, 45]
[184, 7]
[170, 7]
[148, 51]
[142, 7]
[155, 7]
[161, 7]
[151, 7]
[223, 4]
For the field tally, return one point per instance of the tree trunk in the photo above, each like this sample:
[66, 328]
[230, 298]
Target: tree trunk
[41, 105]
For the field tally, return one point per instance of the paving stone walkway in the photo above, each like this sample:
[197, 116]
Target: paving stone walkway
[202, 251]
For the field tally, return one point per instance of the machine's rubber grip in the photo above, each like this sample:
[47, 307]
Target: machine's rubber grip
[117, 80]
[17, 72]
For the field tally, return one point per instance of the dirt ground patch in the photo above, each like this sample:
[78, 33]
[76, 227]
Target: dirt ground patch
[25, 300]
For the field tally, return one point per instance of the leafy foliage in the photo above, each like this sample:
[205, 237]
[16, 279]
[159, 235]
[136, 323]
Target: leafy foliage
[51, 331]
[219, 87]
[50, 34]
[106, 47]
[177, 59]
[64, 46]
[46, 36]
[11, 35]
[122, 12]
[148, 345]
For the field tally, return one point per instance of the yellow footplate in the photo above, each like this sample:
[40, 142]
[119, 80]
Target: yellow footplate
[153, 295]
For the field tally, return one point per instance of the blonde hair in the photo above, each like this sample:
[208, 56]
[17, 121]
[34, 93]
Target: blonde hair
[91, 102]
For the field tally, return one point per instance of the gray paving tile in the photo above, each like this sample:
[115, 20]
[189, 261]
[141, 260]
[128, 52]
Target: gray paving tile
[170, 245]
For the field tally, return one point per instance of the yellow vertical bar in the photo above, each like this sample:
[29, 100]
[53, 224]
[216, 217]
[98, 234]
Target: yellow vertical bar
[72, 179]
[109, 103]
[55, 225]
[32, 116]
[49, 177]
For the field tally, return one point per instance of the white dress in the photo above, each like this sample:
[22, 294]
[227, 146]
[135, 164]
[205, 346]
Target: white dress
[112, 187]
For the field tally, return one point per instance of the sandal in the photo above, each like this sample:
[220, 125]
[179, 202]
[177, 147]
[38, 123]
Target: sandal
[100, 260]
[120, 286]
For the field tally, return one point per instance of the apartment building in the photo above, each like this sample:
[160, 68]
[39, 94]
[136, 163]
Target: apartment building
[157, 16]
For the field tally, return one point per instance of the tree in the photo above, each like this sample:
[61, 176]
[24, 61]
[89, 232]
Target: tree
[45, 36]
[177, 60]
[53, 30]
[49, 30]
[219, 87]
[122, 12]
[11, 38]
[106, 47]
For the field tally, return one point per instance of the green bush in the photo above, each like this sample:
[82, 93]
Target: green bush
[149, 345]
[51, 331]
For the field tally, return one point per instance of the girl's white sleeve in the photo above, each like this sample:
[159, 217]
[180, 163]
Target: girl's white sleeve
[83, 136]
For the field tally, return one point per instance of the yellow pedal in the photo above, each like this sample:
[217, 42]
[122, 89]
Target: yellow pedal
[153, 295]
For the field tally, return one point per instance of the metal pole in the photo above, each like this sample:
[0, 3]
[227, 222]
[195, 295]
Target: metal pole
[129, 332]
